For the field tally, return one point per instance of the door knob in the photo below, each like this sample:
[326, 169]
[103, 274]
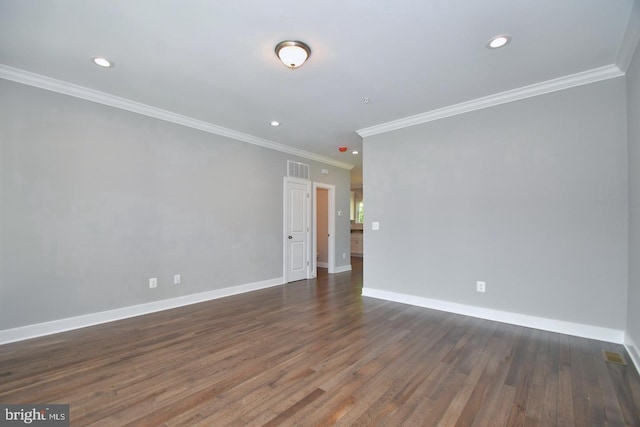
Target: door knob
[290, 237]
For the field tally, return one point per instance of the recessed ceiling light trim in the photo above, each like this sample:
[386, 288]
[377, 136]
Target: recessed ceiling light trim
[293, 53]
[102, 62]
[498, 41]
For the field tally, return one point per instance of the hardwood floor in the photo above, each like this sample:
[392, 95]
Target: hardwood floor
[317, 353]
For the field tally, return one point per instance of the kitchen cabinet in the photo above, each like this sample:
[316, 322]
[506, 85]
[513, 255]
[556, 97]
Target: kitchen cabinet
[357, 244]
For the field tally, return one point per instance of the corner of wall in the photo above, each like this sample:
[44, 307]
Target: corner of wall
[632, 349]
[630, 40]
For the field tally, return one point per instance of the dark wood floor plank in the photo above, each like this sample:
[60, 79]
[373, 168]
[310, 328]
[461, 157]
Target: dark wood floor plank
[524, 367]
[430, 398]
[343, 387]
[497, 398]
[612, 412]
[580, 377]
[535, 412]
[564, 416]
[404, 382]
[478, 357]
[317, 353]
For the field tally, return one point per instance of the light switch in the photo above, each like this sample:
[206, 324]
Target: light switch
[375, 225]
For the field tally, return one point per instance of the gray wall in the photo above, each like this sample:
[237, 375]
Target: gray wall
[633, 115]
[94, 201]
[529, 196]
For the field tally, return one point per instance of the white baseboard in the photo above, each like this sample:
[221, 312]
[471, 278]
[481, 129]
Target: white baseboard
[552, 325]
[342, 268]
[56, 326]
[323, 264]
[633, 350]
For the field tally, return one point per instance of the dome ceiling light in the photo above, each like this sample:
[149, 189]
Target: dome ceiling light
[293, 53]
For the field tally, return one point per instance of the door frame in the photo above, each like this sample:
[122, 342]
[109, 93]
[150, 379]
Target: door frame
[288, 179]
[331, 226]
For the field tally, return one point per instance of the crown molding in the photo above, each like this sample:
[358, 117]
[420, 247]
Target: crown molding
[578, 79]
[631, 38]
[70, 89]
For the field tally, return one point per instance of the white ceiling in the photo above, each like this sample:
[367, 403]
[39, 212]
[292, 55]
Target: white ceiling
[214, 60]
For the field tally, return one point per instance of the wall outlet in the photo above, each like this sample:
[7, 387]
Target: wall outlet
[344, 255]
[481, 286]
[177, 279]
[153, 282]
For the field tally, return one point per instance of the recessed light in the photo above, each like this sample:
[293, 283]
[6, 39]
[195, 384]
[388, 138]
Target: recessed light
[102, 62]
[498, 41]
[354, 152]
[275, 123]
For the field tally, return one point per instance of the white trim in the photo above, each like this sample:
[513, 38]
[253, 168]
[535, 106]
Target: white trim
[70, 89]
[552, 325]
[631, 38]
[62, 325]
[343, 268]
[578, 79]
[633, 350]
[323, 264]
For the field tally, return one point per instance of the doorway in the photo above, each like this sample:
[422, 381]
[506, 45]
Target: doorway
[323, 254]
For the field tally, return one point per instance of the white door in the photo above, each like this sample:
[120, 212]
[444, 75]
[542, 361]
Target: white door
[296, 226]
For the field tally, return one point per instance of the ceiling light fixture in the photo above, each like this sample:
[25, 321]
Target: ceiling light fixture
[102, 62]
[498, 41]
[354, 152]
[275, 123]
[293, 53]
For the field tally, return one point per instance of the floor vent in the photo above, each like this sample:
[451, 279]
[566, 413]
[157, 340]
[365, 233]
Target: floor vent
[297, 170]
[613, 357]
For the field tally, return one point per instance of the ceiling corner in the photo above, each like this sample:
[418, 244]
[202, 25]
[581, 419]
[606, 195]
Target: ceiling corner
[631, 38]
